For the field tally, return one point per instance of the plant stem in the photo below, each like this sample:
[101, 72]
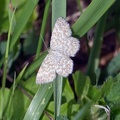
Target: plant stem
[93, 61]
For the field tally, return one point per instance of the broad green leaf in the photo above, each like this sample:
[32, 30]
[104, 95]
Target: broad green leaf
[67, 90]
[6, 100]
[106, 87]
[114, 65]
[81, 83]
[30, 85]
[21, 99]
[68, 109]
[19, 105]
[114, 94]
[94, 93]
[117, 117]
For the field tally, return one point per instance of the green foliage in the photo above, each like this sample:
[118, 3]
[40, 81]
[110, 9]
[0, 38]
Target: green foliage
[113, 66]
[83, 100]
[4, 16]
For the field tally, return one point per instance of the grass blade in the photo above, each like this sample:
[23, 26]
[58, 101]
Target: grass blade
[21, 22]
[57, 94]
[39, 102]
[5, 66]
[42, 31]
[58, 10]
[32, 68]
[93, 61]
[91, 15]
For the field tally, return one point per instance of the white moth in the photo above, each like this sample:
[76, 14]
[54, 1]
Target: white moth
[62, 47]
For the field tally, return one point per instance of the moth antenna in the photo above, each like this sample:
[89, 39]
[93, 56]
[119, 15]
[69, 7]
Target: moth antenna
[44, 43]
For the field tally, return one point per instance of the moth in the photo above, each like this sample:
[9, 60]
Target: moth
[62, 47]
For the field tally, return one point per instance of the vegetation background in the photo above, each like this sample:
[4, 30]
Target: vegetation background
[92, 92]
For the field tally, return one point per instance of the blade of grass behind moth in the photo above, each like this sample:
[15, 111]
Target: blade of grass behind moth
[58, 10]
[91, 15]
[39, 102]
[42, 31]
[5, 66]
[93, 61]
[33, 67]
[79, 5]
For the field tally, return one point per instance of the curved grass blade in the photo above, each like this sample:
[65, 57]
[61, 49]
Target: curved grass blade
[32, 68]
[91, 15]
[39, 102]
[42, 31]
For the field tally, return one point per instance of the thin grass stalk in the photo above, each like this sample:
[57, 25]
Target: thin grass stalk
[5, 67]
[58, 10]
[20, 24]
[79, 6]
[93, 61]
[13, 87]
[57, 85]
[42, 31]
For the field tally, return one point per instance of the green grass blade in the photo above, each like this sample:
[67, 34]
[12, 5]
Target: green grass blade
[93, 61]
[11, 94]
[20, 76]
[57, 94]
[39, 102]
[21, 22]
[79, 5]
[91, 15]
[58, 10]
[5, 66]
[32, 68]
[42, 31]
[14, 19]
